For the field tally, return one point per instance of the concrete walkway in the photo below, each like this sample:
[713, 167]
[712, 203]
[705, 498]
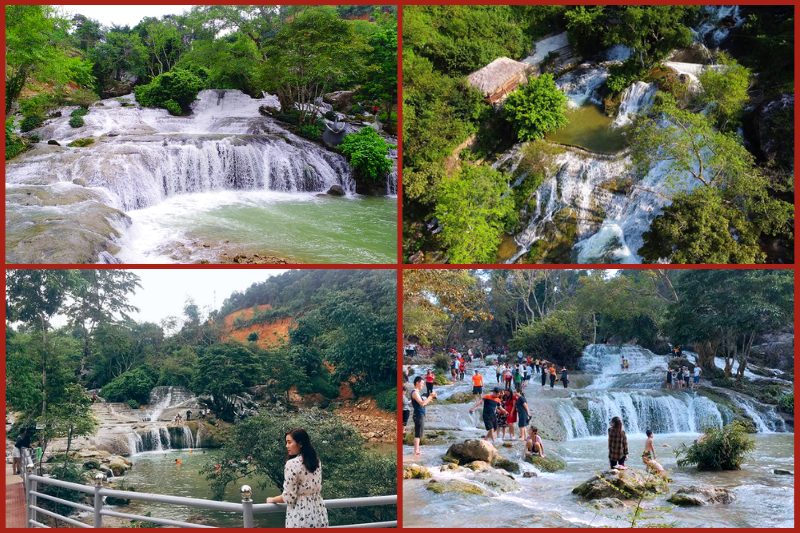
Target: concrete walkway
[15, 499]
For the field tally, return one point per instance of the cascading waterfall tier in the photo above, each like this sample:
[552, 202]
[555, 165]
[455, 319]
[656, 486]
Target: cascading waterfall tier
[636, 99]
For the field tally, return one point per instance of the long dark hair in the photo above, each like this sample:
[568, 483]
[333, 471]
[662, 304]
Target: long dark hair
[616, 424]
[307, 451]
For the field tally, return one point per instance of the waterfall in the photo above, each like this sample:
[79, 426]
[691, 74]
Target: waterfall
[166, 441]
[135, 443]
[188, 438]
[154, 440]
[636, 99]
[572, 420]
[581, 84]
[662, 413]
[711, 30]
[160, 399]
[575, 185]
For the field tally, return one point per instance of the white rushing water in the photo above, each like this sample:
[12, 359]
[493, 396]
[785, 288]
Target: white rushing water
[143, 157]
[636, 99]
[717, 24]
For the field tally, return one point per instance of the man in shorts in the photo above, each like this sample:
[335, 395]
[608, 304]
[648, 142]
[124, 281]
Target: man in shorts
[477, 384]
[491, 405]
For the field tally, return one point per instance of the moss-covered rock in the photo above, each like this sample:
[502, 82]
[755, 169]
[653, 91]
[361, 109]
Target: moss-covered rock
[496, 480]
[507, 465]
[454, 485]
[623, 484]
[460, 397]
[478, 465]
[415, 471]
[548, 463]
[82, 142]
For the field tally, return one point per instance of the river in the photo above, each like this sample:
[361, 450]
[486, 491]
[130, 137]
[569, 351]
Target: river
[573, 423]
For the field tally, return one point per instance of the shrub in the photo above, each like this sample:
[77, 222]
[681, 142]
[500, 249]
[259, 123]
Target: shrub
[786, 403]
[131, 385]
[366, 151]
[441, 361]
[621, 76]
[174, 91]
[81, 143]
[31, 122]
[536, 108]
[387, 400]
[718, 449]
[76, 121]
[80, 112]
[63, 472]
[133, 404]
[310, 131]
[15, 144]
[330, 115]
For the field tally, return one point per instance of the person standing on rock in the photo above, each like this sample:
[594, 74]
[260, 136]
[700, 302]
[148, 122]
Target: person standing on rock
[544, 373]
[696, 377]
[523, 416]
[302, 484]
[491, 406]
[669, 379]
[617, 444]
[687, 376]
[564, 377]
[498, 370]
[429, 378]
[510, 405]
[477, 384]
[552, 375]
[517, 380]
[407, 390]
[507, 377]
[419, 404]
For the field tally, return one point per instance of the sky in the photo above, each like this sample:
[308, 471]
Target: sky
[164, 291]
[123, 15]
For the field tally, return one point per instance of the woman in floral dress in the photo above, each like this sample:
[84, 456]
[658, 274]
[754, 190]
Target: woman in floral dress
[302, 484]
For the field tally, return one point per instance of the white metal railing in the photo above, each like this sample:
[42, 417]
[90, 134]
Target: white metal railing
[246, 508]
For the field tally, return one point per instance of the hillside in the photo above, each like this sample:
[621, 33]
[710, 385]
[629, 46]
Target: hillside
[271, 333]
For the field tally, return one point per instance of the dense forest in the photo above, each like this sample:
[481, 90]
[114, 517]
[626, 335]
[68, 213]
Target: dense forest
[297, 53]
[716, 313]
[460, 207]
[343, 330]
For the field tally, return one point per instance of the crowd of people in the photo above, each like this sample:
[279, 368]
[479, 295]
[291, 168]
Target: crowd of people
[683, 378]
[505, 409]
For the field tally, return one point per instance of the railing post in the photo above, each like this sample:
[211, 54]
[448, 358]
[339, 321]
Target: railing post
[31, 498]
[98, 500]
[247, 505]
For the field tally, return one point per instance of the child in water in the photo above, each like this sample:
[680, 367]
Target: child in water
[649, 457]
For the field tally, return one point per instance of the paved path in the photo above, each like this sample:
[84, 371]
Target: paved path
[15, 499]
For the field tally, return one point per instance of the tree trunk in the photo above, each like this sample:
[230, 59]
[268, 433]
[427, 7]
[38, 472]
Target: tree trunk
[706, 351]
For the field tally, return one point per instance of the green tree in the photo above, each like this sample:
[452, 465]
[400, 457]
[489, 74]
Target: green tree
[725, 90]
[473, 207]
[381, 84]
[693, 153]
[536, 108]
[722, 312]
[223, 372]
[134, 384]
[37, 48]
[33, 297]
[367, 152]
[174, 91]
[555, 337]
[71, 417]
[121, 53]
[309, 56]
[98, 297]
[163, 43]
[651, 31]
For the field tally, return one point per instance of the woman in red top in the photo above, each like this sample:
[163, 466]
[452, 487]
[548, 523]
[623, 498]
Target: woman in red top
[429, 378]
[509, 404]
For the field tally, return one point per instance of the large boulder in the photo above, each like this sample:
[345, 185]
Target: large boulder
[507, 465]
[623, 484]
[341, 101]
[336, 190]
[700, 495]
[119, 465]
[472, 450]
